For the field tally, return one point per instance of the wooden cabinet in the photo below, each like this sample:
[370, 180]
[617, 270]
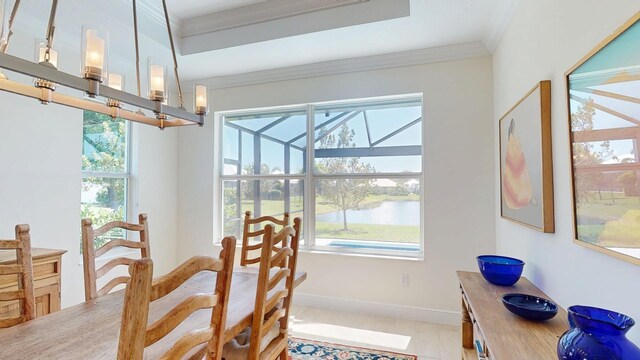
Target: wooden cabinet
[47, 268]
[490, 331]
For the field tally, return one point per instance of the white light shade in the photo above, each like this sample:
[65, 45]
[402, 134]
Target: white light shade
[157, 88]
[94, 53]
[157, 78]
[116, 81]
[200, 98]
[167, 95]
[41, 54]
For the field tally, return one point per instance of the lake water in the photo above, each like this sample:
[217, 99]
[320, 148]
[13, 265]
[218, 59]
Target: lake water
[388, 213]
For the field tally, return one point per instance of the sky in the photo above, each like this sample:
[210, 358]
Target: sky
[382, 121]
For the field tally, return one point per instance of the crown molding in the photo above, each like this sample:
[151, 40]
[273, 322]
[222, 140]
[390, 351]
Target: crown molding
[500, 21]
[375, 62]
[153, 10]
[258, 13]
[335, 14]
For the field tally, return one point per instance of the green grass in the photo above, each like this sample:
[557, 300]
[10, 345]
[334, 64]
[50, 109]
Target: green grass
[372, 232]
[610, 208]
[612, 205]
[590, 233]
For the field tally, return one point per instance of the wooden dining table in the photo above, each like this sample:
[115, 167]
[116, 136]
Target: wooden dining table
[90, 330]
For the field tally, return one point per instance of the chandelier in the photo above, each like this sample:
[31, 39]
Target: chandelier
[95, 80]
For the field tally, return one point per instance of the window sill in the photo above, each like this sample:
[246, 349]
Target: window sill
[364, 255]
[417, 257]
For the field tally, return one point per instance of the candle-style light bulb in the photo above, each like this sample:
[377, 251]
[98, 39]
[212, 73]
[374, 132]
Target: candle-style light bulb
[48, 57]
[95, 51]
[45, 55]
[157, 89]
[200, 98]
[116, 81]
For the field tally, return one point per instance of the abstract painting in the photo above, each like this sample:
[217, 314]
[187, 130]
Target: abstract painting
[526, 178]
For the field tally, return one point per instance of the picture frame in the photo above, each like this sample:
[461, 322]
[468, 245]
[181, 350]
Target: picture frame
[604, 129]
[526, 163]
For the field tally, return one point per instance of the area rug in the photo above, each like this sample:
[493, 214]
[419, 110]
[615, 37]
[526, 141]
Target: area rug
[302, 349]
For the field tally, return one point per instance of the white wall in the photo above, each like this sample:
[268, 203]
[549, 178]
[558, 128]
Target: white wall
[458, 188]
[40, 161]
[544, 39]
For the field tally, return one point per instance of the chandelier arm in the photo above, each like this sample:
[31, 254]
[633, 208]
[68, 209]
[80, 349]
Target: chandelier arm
[14, 63]
[51, 28]
[173, 53]
[135, 31]
[49, 96]
[12, 18]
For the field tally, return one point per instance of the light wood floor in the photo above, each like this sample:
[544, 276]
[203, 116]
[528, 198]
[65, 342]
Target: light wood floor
[428, 341]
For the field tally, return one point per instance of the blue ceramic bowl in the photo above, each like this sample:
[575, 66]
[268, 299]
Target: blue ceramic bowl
[530, 307]
[500, 270]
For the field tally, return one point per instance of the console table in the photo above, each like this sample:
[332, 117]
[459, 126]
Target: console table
[47, 267]
[490, 331]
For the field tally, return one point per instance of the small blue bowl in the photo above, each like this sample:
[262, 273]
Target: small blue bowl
[530, 307]
[500, 270]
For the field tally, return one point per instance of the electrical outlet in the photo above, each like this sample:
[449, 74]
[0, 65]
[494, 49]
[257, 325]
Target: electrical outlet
[405, 279]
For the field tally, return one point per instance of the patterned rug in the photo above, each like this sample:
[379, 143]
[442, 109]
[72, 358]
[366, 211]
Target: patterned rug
[302, 349]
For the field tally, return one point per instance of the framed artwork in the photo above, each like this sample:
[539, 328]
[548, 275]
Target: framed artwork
[604, 118]
[526, 171]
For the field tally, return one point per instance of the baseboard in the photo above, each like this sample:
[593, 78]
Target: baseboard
[435, 316]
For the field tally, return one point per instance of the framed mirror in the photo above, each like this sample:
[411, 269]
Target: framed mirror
[604, 115]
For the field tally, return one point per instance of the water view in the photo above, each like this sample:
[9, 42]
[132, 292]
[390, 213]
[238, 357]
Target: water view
[387, 213]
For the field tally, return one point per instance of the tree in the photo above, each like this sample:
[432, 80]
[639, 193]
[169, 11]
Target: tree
[585, 153]
[266, 185]
[104, 150]
[344, 194]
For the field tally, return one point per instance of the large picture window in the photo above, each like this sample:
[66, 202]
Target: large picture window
[361, 195]
[105, 170]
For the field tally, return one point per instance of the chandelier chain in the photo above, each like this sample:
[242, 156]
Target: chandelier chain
[135, 31]
[173, 52]
[12, 18]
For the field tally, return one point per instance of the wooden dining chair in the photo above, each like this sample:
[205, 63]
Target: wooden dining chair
[247, 234]
[23, 269]
[142, 289]
[90, 253]
[268, 336]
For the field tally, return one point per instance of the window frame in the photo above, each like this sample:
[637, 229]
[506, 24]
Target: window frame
[126, 175]
[311, 176]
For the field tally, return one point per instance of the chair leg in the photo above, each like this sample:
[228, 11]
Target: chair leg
[284, 355]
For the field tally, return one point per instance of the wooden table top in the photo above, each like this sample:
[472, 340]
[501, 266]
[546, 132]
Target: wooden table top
[90, 330]
[9, 256]
[507, 335]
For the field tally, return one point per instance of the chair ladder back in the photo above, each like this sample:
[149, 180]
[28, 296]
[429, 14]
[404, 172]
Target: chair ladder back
[23, 269]
[292, 267]
[248, 234]
[136, 334]
[90, 253]
[272, 302]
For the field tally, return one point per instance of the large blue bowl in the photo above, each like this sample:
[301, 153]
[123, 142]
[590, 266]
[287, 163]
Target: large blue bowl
[500, 270]
[529, 306]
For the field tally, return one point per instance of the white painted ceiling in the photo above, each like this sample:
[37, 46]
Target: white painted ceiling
[432, 23]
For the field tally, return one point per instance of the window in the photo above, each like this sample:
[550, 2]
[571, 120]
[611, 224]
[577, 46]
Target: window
[363, 192]
[105, 170]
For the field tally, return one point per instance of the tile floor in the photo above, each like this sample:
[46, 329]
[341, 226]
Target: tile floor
[428, 341]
